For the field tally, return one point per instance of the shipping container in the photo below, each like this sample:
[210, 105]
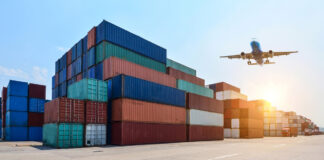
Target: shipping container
[180, 67]
[57, 66]
[79, 48]
[57, 79]
[69, 57]
[95, 135]
[106, 50]
[114, 66]
[235, 133]
[91, 57]
[16, 119]
[184, 76]
[84, 44]
[91, 38]
[140, 111]
[123, 86]
[17, 88]
[35, 119]
[227, 133]
[227, 123]
[16, 133]
[63, 135]
[106, 31]
[16, 103]
[36, 105]
[252, 133]
[69, 72]
[227, 95]
[53, 82]
[89, 89]
[193, 88]
[223, 86]
[35, 133]
[198, 117]
[195, 101]
[235, 103]
[62, 89]
[79, 77]
[251, 124]
[96, 112]
[132, 133]
[235, 123]
[74, 53]
[84, 62]
[204, 133]
[232, 113]
[92, 72]
[64, 110]
[62, 76]
[99, 71]
[63, 61]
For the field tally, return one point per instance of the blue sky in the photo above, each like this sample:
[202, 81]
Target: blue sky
[36, 33]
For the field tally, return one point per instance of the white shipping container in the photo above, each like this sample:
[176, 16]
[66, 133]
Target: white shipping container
[224, 95]
[227, 133]
[198, 117]
[95, 135]
[235, 133]
[236, 123]
[272, 126]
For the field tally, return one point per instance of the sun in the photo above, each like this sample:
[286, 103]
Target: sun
[274, 94]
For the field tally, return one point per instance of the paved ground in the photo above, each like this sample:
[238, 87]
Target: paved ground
[298, 148]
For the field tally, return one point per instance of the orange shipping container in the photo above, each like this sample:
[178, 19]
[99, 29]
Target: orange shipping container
[140, 111]
[251, 124]
[222, 86]
[114, 66]
[251, 133]
[184, 76]
[235, 103]
[232, 113]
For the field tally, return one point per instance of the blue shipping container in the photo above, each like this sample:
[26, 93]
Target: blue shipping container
[16, 119]
[35, 133]
[112, 33]
[36, 105]
[16, 103]
[99, 71]
[53, 81]
[84, 63]
[85, 74]
[54, 93]
[63, 61]
[134, 88]
[91, 56]
[85, 44]
[79, 49]
[17, 88]
[92, 72]
[1, 128]
[74, 53]
[16, 133]
[57, 66]
[62, 76]
[62, 90]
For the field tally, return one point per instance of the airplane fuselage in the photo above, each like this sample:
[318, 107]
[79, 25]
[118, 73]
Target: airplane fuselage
[257, 52]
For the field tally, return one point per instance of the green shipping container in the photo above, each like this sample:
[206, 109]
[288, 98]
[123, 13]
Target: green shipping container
[89, 89]
[106, 50]
[193, 88]
[63, 135]
[180, 67]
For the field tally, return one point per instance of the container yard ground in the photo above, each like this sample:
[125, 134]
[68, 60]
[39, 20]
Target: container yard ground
[279, 148]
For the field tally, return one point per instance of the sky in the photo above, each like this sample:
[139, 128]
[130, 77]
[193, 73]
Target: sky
[34, 34]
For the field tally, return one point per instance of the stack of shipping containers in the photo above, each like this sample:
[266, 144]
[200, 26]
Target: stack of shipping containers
[204, 114]
[270, 121]
[293, 122]
[3, 111]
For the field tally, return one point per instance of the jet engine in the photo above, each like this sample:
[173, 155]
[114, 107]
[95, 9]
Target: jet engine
[270, 54]
[243, 56]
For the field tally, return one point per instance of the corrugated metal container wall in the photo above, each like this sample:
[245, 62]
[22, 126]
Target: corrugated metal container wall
[227, 133]
[16, 119]
[222, 86]
[63, 61]
[4, 106]
[62, 90]
[53, 82]
[198, 117]
[95, 135]
[140, 111]
[64, 110]
[63, 135]
[84, 62]
[112, 33]
[85, 44]
[17, 88]
[96, 112]
[35, 119]
[91, 56]
[89, 89]
[225, 95]
[57, 66]
[69, 57]
[99, 71]
[180, 67]
[227, 123]
[62, 76]
[92, 72]
[184, 76]
[232, 113]
[204, 133]
[36, 91]
[16, 133]
[79, 49]
[35, 133]
[195, 101]
[193, 88]
[36, 105]
[91, 38]
[74, 53]
[15, 103]
[57, 79]
[115, 66]
[134, 88]
[235, 103]
[69, 72]
[130, 133]
[106, 50]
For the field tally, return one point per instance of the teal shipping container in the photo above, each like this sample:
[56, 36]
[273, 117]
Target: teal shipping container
[106, 50]
[193, 88]
[180, 67]
[89, 89]
[63, 135]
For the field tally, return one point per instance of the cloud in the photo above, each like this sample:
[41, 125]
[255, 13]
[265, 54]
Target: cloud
[61, 49]
[14, 73]
[39, 75]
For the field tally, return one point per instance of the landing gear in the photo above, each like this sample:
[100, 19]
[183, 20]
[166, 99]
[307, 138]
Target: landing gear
[267, 61]
[249, 62]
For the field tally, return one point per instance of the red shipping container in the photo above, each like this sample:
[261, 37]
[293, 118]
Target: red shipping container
[195, 101]
[69, 72]
[227, 123]
[140, 111]
[232, 113]
[184, 76]
[114, 66]
[56, 79]
[35, 119]
[79, 77]
[91, 38]
[96, 112]
[63, 109]
[251, 124]
[235, 103]
[36, 91]
[69, 57]
[204, 133]
[223, 86]
[3, 104]
[131, 133]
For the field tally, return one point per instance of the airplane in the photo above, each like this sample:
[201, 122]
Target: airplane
[258, 55]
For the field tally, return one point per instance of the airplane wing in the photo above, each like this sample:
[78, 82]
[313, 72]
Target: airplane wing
[238, 56]
[271, 54]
